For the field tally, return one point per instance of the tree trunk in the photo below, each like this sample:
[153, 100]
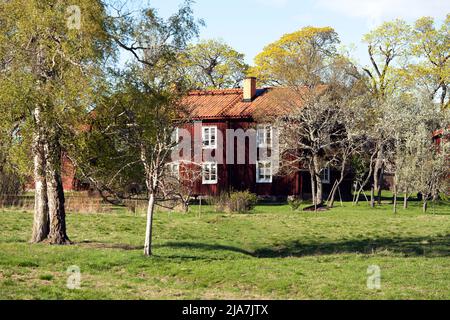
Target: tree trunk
[149, 226]
[55, 194]
[338, 183]
[405, 200]
[319, 186]
[425, 206]
[319, 195]
[41, 225]
[186, 206]
[372, 197]
[395, 197]
[380, 185]
[369, 175]
[376, 177]
[313, 187]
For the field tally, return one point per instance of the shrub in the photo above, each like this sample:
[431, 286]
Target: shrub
[294, 203]
[242, 202]
[220, 202]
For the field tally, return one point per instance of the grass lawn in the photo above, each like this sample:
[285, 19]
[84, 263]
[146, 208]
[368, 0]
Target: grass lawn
[274, 253]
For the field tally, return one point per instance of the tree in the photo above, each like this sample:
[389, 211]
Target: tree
[298, 58]
[309, 133]
[50, 54]
[317, 84]
[135, 119]
[430, 46]
[177, 187]
[386, 44]
[213, 64]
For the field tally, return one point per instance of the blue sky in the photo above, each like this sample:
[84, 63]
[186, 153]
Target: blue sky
[249, 25]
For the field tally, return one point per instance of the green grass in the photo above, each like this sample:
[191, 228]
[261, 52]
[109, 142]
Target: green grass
[273, 253]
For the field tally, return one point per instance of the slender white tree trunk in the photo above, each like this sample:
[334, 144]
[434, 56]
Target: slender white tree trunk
[377, 175]
[425, 206]
[149, 226]
[395, 195]
[313, 187]
[41, 217]
[319, 186]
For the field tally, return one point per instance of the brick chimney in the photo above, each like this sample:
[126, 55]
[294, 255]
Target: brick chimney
[249, 89]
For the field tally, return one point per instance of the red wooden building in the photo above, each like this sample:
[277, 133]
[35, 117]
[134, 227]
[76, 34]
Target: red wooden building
[215, 112]
[212, 114]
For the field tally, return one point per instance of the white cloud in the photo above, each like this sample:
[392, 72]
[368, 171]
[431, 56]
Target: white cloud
[376, 11]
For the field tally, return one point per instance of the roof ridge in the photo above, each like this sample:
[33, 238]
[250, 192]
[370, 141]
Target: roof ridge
[215, 92]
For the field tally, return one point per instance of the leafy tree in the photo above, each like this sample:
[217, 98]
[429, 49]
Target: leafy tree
[317, 84]
[298, 58]
[213, 64]
[135, 119]
[430, 46]
[50, 55]
[386, 45]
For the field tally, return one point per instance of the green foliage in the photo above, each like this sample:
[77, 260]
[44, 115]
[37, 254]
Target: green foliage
[296, 58]
[386, 45]
[242, 201]
[213, 64]
[47, 64]
[129, 136]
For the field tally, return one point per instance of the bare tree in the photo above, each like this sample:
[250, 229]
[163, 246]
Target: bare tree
[179, 181]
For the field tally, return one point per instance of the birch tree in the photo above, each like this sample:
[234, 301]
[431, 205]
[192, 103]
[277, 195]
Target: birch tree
[138, 115]
[51, 52]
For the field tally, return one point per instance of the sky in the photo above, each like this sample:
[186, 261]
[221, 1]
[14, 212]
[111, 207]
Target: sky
[249, 25]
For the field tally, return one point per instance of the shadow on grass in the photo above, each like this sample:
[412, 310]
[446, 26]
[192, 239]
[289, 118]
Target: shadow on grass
[418, 246]
[203, 246]
[106, 245]
[412, 246]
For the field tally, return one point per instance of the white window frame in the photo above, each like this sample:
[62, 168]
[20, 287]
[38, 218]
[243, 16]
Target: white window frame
[208, 180]
[175, 137]
[264, 130]
[266, 180]
[207, 137]
[326, 175]
[174, 173]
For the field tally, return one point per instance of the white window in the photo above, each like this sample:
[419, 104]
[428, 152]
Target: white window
[209, 137]
[264, 172]
[174, 169]
[209, 173]
[175, 137]
[264, 136]
[326, 175]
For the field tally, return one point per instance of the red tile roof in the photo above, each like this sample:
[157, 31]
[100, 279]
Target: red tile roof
[219, 104]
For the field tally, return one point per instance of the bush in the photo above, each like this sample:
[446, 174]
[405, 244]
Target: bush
[242, 202]
[220, 202]
[294, 203]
